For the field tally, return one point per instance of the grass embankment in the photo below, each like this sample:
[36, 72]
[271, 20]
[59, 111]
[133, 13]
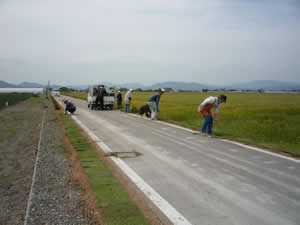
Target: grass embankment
[113, 200]
[13, 98]
[267, 120]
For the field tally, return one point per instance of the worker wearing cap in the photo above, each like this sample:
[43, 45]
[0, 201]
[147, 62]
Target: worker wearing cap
[205, 110]
[154, 103]
[127, 100]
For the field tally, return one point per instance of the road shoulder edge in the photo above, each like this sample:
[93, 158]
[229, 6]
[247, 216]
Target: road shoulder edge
[159, 206]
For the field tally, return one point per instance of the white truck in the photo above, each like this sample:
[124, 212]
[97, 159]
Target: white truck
[55, 93]
[94, 96]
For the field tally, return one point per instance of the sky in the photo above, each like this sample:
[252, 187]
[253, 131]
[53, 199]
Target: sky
[76, 42]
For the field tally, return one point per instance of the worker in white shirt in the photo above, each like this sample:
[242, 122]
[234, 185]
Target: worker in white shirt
[127, 100]
[205, 110]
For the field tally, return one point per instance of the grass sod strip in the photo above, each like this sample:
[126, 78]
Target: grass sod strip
[116, 206]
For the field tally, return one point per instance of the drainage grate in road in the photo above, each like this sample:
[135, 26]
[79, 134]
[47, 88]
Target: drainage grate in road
[123, 154]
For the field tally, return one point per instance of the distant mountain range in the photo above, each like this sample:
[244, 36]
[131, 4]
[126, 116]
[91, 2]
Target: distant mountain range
[183, 86]
[4, 84]
[266, 85]
[271, 85]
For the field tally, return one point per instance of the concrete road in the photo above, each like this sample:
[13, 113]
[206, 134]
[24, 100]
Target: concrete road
[209, 181]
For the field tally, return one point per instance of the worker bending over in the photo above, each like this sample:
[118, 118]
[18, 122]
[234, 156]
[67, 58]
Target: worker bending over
[154, 103]
[204, 109]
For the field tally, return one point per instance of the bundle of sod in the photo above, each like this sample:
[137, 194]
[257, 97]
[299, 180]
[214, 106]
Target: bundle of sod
[113, 200]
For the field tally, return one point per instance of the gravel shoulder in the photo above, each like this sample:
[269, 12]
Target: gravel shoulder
[58, 196]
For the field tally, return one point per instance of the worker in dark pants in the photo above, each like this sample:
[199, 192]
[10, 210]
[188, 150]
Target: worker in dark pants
[100, 98]
[70, 107]
[119, 99]
[205, 110]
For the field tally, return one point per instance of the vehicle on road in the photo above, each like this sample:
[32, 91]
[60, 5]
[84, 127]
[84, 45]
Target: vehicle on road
[55, 93]
[94, 96]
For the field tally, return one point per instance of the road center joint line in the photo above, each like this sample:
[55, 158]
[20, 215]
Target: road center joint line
[188, 144]
[234, 165]
[170, 212]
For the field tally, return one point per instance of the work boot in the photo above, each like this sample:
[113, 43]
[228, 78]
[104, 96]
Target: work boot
[153, 116]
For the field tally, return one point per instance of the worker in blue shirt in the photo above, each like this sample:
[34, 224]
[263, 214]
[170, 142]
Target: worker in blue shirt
[153, 102]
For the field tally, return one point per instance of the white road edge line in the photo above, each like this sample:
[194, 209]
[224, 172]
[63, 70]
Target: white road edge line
[228, 141]
[173, 215]
[165, 123]
[29, 203]
[232, 142]
[261, 150]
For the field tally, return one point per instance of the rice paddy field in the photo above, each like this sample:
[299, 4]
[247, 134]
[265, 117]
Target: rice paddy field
[260, 119]
[13, 98]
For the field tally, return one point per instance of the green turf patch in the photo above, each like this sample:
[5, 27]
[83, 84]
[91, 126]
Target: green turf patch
[113, 200]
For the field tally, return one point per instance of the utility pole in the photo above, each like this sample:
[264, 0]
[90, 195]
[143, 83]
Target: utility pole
[48, 90]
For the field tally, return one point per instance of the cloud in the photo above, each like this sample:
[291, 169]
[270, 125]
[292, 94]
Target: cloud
[226, 39]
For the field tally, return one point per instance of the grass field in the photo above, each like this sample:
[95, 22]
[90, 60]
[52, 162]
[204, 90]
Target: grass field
[13, 98]
[261, 119]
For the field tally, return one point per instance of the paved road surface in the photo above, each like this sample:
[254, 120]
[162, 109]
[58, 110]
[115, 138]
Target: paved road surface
[209, 181]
